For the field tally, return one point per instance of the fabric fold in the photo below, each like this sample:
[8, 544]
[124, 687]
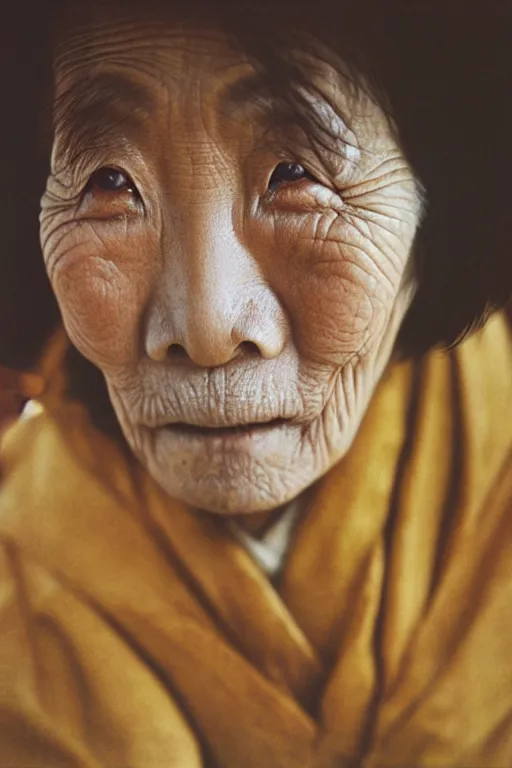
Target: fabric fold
[385, 642]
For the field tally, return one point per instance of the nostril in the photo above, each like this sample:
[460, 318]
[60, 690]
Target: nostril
[248, 348]
[177, 352]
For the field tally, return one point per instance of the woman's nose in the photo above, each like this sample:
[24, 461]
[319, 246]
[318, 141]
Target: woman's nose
[213, 335]
[210, 329]
[216, 308]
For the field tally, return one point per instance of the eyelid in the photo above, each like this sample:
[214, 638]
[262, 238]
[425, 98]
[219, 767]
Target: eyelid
[306, 195]
[291, 153]
[78, 164]
[113, 168]
[85, 184]
[85, 209]
[317, 173]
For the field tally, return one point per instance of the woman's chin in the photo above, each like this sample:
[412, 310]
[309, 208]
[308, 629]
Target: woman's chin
[244, 489]
[232, 473]
[238, 470]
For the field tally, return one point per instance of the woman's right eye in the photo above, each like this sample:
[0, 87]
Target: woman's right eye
[110, 180]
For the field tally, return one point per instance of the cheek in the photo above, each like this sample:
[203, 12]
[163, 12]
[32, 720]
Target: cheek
[339, 280]
[101, 286]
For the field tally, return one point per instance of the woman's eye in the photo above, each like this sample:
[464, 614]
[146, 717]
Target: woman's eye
[111, 180]
[287, 173]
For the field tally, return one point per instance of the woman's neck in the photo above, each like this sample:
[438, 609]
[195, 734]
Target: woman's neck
[258, 523]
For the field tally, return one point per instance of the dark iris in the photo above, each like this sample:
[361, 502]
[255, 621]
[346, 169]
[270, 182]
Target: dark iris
[111, 180]
[286, 173]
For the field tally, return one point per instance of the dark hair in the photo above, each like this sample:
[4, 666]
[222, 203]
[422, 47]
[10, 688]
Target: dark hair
[444, 73]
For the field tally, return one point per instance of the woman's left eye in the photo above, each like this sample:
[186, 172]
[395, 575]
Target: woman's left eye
[287, 173]
[111, 180]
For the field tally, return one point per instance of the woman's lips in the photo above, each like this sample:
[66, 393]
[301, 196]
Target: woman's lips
[255, 438]
[192, 430]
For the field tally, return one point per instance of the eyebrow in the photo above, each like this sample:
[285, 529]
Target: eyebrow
[257, 92]
[92, 111]
[252, 90]
[101, 111]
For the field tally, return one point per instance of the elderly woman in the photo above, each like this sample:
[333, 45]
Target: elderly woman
[261, 519]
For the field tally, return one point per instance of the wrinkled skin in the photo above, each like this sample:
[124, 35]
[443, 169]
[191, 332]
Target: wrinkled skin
[205, 297]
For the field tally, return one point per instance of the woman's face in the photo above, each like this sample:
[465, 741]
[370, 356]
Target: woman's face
[240, 292]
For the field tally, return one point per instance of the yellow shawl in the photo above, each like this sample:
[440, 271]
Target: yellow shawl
[135, 632]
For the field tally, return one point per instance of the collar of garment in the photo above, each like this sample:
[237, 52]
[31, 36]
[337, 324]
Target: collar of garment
[269, 550]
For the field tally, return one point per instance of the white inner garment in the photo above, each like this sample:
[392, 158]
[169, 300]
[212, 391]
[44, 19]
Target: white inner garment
[31, 408]
[269, 551]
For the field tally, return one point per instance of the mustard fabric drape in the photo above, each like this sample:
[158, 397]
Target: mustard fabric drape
[135, 632]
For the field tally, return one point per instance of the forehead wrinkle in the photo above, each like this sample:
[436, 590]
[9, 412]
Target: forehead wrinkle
[96, 95]
[126, 40]
[116, 88]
